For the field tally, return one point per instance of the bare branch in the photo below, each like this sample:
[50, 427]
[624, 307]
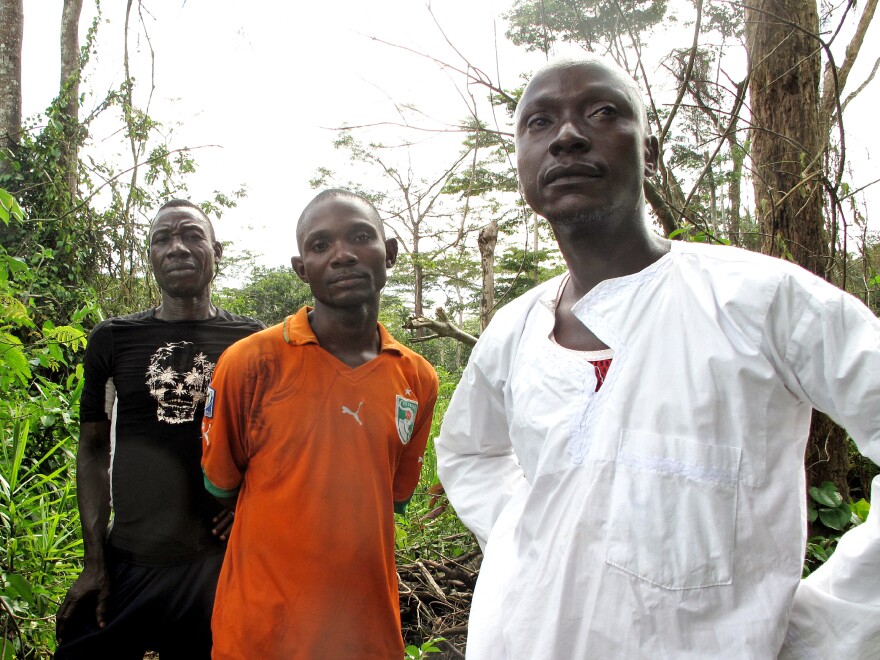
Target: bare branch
[441, 326]
[687, 73]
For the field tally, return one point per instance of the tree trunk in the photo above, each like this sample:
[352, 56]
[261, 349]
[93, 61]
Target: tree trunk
[69, 90]
[11, 32]
[787, 147]
[786, 144]
[734, 191]
[487, 240]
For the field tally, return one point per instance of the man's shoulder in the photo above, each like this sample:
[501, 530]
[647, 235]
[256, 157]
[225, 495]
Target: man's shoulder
[239, 319]
[743, 272]
[730, 258]
[411, 363]
[262, 340]
[107, 325]
[133, 317]
[510, 319]
[412, 357]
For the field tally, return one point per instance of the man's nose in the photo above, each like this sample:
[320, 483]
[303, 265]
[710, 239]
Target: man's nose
[177, 246]
[343, 255]
[570, 136]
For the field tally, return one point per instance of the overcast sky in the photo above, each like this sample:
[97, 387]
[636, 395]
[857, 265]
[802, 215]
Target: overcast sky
[265, 80]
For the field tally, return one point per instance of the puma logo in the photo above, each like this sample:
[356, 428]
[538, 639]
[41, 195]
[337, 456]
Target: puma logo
[347, 411]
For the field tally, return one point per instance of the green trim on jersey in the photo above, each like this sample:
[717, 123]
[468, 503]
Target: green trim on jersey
[400, 507]
[216, 491]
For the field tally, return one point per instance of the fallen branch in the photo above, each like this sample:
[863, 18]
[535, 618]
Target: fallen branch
[441, 327]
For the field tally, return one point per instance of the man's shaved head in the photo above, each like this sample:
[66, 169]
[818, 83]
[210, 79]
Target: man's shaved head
[333, 194]
[185, 203]
[590, 60]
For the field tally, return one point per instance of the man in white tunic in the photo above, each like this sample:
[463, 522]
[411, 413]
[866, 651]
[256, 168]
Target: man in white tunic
[655, 509]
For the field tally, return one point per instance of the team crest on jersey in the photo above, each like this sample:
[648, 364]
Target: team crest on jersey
[406, 418]
[209, 402]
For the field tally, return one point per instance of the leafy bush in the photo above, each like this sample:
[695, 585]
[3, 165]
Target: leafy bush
[836, 516]
[39, 522]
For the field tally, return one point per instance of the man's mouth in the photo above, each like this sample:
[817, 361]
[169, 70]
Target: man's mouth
[347, 278]
[181, 268]
[563, 174]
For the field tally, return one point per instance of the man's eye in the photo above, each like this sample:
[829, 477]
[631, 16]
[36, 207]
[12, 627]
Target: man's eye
[318, 247]
[606, 111]
[362, 238]
[538, 122]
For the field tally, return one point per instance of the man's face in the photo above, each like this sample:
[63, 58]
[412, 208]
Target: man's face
[344, 256]
[182, 253]
[581, 146]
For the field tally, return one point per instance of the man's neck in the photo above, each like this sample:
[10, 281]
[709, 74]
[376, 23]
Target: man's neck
[198, 308]
[592, 257]
[351, 334]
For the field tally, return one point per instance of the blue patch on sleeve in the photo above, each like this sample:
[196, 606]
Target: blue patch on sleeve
[209, 402]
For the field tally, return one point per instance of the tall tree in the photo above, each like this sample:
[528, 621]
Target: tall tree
[11, 34]
[787, 147]
[791, 117]
[69, 89]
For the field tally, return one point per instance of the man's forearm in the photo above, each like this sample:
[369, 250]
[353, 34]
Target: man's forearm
[93, 487]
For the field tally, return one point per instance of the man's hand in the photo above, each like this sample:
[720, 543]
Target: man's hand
[91, 590]
[223, 524]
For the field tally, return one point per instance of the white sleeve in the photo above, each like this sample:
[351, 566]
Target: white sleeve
[833, 359]
[475, 459]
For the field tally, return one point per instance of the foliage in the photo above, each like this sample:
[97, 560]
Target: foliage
[39, 522]
[413, 652]
[518, 270]
[429, 528]
[536, 25]
[268, 295]
[835, 515]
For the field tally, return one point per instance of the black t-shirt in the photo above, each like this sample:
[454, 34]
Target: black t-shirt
[161, 371]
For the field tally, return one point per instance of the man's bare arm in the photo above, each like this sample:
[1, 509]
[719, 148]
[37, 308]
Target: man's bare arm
[93, 495]
[223, 520]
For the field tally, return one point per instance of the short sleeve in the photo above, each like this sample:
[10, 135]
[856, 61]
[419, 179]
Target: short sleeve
[224, 455]
[406, 478]
[97, 370]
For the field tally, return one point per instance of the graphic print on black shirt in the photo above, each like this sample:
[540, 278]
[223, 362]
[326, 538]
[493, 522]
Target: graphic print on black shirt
[161, 371]
[178, 376]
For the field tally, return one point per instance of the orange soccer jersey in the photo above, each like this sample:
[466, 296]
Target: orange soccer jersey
[319, 453]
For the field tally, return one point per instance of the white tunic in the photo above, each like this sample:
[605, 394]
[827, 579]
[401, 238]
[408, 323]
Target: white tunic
[664, 516]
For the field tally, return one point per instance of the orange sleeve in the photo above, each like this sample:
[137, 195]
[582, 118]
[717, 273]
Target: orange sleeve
[224, 455]
[406, 478]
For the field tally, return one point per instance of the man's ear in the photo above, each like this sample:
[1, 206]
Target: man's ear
[218, 250]
[390, 252]
[299, 268]
[652, 155]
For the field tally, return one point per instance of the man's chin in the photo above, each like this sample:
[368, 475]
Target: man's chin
[582, 216]
[182, 290]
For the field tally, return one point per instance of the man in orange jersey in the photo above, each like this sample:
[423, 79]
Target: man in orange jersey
[314, 431]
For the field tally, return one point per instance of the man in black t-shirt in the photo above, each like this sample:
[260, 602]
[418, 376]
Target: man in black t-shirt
[148, 579]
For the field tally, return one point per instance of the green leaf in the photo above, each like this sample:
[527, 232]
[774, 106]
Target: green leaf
[14, 311]
[836, 518]
[861, 509]
[826, 495]
[8, 652]
[21, 586]
[812, 513]
[9, 208]
[13, 357]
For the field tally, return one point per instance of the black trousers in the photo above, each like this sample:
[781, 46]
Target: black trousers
[162, 608]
